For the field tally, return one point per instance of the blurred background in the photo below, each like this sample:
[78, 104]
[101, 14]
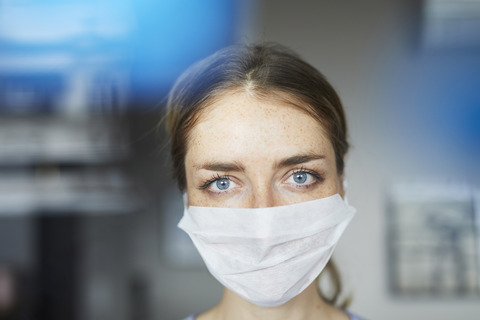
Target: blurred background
[88, 209]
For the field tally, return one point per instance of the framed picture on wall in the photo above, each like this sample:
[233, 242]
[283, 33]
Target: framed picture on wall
[433, 239]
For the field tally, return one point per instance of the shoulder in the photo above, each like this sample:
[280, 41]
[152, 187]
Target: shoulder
[192, 317]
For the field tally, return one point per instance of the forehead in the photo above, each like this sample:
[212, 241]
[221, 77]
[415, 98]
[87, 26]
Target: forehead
[239, 125]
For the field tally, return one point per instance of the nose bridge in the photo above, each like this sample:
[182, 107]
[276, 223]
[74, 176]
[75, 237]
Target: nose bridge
[262, 196]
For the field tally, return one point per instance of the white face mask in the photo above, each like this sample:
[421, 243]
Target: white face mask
[268, 255]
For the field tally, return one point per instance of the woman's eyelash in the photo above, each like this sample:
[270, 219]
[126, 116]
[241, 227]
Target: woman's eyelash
[318, 176]
[208, 182]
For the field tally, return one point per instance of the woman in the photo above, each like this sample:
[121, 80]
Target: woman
[258, 140]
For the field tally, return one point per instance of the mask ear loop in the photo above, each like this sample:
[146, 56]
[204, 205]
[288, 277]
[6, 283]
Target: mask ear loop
[185, 199]
[345, 189]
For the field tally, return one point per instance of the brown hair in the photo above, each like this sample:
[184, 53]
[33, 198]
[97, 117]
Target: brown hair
[267, 71]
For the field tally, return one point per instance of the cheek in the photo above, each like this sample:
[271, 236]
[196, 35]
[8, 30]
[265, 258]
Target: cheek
[328, 188]
[195, 200]
[331, 185]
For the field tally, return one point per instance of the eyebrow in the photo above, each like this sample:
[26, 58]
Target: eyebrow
[222, 166]
[298, 159]
[238, 167]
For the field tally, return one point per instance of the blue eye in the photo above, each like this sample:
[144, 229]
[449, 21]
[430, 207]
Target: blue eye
[219, 185]
[222, 184]
[303, 178]
[300, 177]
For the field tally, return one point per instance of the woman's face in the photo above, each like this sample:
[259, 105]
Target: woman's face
[250, 153]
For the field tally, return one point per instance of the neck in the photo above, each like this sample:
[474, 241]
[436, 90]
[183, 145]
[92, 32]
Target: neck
[307, 305]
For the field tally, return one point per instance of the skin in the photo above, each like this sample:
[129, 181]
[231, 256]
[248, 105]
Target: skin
[258, 147]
